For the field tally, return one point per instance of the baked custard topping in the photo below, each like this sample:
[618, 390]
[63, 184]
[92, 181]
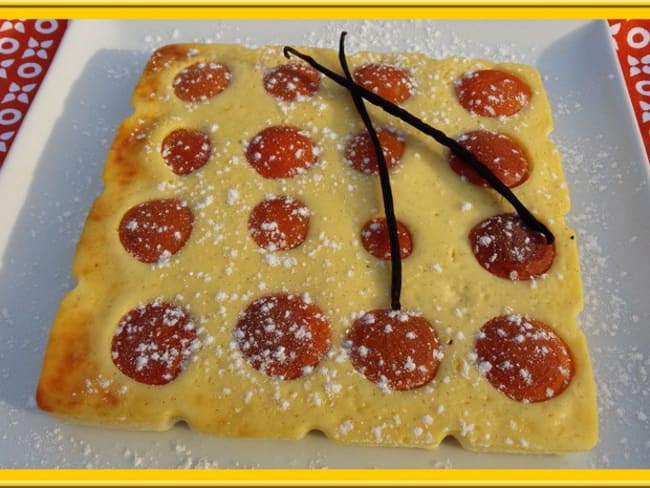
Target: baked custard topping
[235, 271]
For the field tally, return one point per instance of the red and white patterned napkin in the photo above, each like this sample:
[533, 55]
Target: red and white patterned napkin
[26, 51]
[632, 41]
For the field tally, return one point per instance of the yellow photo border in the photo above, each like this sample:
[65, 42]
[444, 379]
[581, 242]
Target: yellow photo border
[326, 477]
[330, 10]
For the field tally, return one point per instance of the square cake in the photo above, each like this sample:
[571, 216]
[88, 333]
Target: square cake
[235, 272]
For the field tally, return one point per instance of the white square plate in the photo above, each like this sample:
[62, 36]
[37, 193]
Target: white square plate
[53, 174]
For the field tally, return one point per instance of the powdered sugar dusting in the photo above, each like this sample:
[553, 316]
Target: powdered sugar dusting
[621, 367]
[612, 319]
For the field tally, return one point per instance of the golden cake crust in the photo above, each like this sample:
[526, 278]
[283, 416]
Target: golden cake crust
[220, 270]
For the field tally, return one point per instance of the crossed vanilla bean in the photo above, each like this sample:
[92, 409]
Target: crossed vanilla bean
[384, 179]
[439, 136]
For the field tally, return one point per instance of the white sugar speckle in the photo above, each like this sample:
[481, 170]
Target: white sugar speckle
[232, 196]
[346, 427]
